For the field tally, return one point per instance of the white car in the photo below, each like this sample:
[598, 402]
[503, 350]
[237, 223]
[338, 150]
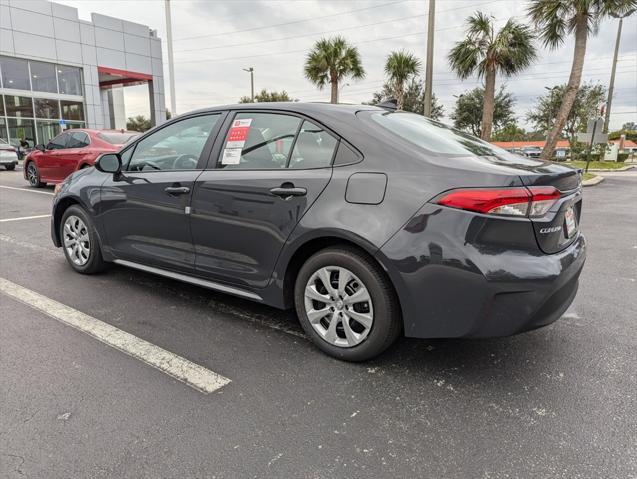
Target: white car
[8, 155]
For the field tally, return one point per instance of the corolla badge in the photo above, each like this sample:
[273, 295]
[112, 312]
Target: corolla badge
[551, 229]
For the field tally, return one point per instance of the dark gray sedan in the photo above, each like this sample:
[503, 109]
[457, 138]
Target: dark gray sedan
[370, 222]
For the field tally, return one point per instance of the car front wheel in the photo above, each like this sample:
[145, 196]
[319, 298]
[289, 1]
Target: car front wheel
[33, 175]
[346, 304]
[79, 241]
[10, 167]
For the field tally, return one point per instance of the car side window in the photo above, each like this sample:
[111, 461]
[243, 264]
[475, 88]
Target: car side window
[78, 139]
[259, 141]
[177, 146]
[314, 147]
[59, 142]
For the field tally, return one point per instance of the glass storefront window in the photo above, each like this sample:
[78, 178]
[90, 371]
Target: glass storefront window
[70, 80]
[74, 124]
[19, 106]
[3, 130]
[47, 130]
[20, 129]
[45, 108]
[72, 110]
[43, 77]
[15, 73]
[1, 105]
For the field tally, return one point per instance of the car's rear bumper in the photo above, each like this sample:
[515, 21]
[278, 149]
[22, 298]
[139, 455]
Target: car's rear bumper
[8, 160]
[451, 285]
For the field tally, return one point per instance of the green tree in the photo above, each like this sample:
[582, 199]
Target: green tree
[468, 116]
[138, 123]
[555, 20]
[487, 53]
[510, 132]
[265, 96]
[399, 68]
[413, 100]
[587, 98]
[331, 61]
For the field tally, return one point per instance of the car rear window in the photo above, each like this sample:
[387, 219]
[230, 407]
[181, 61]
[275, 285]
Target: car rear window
[116, 138]
[437, 137]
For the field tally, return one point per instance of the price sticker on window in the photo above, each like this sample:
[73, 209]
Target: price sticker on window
[238, 133]
[231, 156]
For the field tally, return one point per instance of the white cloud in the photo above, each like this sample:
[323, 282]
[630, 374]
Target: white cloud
[209, 67]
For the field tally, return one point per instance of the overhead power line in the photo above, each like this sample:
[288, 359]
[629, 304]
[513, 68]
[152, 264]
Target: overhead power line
[210, 35]
[383, 22]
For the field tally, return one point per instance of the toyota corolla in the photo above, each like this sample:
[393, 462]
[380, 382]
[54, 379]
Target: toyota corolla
[370, 222]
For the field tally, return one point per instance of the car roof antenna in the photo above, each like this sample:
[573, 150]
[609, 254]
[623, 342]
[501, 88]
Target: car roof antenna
[389, 104]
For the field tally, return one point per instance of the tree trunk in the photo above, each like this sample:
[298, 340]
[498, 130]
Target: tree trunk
[488, 105]
[400, 96]
[581, 34]
[334, 94]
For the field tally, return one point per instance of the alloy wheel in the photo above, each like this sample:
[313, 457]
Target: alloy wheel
[32, 174]
[76, 240]
[338, 306]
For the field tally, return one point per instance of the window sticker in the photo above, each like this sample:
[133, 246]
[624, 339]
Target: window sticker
[231, 156]
[238, 133]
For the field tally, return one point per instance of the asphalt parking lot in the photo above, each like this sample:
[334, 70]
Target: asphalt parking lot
[556, 402]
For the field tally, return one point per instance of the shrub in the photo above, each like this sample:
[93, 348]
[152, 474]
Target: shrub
[621, 157]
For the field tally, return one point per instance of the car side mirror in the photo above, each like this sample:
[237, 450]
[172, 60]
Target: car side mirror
[109, 163]
[40, 147]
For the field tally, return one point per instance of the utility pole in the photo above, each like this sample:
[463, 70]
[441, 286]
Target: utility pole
[171, 66]
[251, 72]
[429, 68]
[612, 74]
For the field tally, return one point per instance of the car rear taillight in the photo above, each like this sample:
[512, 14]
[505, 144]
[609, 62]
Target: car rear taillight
[532, 202]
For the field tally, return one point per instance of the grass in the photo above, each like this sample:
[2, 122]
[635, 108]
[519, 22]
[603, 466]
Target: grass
[588, 176]
[595, 165]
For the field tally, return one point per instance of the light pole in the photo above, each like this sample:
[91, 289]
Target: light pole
[251, 72]
[612, 73]
[171, 66]
[429, 68]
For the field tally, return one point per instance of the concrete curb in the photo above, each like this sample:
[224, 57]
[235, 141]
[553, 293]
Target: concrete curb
[593, 181]
[623, 168]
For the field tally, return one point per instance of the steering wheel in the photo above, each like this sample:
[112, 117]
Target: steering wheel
[185, 162]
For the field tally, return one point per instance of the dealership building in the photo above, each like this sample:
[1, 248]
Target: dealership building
[59, 72]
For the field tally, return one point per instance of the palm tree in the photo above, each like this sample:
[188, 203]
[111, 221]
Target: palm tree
[400, 67]
[555, 20]
[330, 61]
[486, 52]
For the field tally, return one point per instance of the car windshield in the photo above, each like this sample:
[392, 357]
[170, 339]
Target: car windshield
[116, 138]
[437, 137]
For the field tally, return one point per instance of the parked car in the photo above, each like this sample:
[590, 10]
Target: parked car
[70, 151]
[8, 155]
[532, 151]
[517, 151]
[370, 222]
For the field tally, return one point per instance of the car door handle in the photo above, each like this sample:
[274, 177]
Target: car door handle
[285, 192]
[177, 190]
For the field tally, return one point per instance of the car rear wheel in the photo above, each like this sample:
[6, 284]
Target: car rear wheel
[10, 167]
[79, 241]
[346, 304]
[33, 175]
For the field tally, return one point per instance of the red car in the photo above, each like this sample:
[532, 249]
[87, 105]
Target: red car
[70, 151]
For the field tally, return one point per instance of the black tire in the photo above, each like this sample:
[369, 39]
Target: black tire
[33, 175]
[95, 262]
[10, 167]
[387, 320]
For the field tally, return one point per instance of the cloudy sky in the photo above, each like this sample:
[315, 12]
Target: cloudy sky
[215, 39]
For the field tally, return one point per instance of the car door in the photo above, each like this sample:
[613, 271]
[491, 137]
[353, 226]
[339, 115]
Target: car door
[75, 150]
[145, 210]
[265, 173]
[49, 159]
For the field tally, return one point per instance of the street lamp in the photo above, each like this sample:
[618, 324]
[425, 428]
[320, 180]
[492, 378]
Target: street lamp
[612, 74]
[251, 71]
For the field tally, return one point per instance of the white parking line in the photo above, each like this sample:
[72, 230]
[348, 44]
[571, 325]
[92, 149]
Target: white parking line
[28, 190]
[194, 375]
[25, 218]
